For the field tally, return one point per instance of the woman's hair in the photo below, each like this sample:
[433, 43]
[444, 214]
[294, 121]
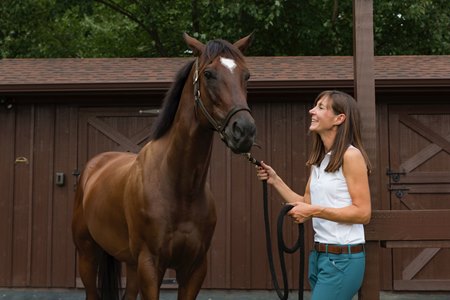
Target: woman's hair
[348, 132]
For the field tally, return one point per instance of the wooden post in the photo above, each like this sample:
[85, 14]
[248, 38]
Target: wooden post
[372, 282]
[364, 86]
[364, 80]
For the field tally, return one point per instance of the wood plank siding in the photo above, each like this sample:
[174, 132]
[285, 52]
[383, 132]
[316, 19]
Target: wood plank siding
[37, 248]
[52, 123]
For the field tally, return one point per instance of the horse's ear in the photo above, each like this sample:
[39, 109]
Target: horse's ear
[195, 45]
[244, 43]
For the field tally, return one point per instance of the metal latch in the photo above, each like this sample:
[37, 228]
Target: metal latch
[75, 173]
[60, 178]
[399, 191]
[395, 176]
[152, 112]
[21, 160]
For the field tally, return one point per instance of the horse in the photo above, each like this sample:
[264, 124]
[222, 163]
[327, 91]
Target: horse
[154, 210]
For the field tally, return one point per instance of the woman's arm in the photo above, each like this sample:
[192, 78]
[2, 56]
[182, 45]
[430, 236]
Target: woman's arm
[359, 212]
[266, 172]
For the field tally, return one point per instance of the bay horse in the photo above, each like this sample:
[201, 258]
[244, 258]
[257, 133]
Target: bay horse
[154, 210]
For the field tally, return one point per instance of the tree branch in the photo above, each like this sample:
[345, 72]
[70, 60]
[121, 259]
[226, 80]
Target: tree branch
[335, 11]
[195, 16]
[151, 32]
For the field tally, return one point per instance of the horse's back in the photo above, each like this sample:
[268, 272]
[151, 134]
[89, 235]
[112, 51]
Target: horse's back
[106, 162]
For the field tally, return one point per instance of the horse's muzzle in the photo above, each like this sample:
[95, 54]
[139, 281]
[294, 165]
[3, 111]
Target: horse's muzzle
[241, 133]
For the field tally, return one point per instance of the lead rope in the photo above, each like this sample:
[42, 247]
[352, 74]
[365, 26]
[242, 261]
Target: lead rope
[282, 248]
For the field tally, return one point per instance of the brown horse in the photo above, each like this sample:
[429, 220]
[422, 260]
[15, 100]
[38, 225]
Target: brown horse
[154, 210]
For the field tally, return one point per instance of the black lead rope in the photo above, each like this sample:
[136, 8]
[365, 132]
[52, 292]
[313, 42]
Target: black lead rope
[282, 248]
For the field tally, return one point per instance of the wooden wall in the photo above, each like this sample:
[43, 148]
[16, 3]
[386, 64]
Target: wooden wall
[57, 134]
[36, 249]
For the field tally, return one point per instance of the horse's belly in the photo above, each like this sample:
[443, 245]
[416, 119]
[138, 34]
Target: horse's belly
[112, 237]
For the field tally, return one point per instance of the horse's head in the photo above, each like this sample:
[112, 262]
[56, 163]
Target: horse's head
[220, 90]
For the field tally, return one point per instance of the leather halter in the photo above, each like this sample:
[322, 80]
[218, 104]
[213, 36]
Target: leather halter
[218, 126]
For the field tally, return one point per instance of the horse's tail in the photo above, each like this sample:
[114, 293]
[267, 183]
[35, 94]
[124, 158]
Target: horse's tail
[109, 277]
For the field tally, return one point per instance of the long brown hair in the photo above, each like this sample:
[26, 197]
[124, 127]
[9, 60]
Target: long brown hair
[348, 133]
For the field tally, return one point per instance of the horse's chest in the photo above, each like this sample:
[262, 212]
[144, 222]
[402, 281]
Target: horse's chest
[189, 240]
[188, 235]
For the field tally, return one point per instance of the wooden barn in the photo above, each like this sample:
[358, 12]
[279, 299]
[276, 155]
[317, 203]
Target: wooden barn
[57, 113]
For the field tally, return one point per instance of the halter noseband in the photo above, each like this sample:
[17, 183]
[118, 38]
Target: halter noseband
[218, 126]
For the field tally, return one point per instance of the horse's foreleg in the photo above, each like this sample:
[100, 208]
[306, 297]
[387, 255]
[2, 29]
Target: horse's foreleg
[132, 287]
[149, 275]
[190, 283]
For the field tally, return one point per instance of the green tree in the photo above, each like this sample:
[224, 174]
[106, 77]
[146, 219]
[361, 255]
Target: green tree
[152, 28]
[412, 27]
[57, 28]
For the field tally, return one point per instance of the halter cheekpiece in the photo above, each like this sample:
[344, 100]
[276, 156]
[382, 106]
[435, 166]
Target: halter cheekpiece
[218, 126]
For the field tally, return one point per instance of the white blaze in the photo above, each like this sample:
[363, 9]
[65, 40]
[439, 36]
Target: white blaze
[228, 63]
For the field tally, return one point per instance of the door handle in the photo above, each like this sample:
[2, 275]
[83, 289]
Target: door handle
[21, 160]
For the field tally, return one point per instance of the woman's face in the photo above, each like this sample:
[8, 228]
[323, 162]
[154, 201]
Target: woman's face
[323, 117]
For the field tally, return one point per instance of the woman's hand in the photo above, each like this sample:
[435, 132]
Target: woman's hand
[302, 212]
[265, 172]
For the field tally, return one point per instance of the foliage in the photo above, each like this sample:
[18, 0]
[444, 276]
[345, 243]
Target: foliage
[151, 28]
[52, 28]
[412, 27]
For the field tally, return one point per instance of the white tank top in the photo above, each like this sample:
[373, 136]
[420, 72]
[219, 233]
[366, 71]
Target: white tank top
[330, 190]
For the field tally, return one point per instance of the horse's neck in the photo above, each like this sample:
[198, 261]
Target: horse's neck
[189, 156]
[189, 147]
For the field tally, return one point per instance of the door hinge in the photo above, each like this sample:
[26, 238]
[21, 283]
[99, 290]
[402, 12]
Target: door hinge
[76, 173]
[399, 191]
[395, 175]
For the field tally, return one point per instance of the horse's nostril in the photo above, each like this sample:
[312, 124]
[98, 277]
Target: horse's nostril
[242, 134]
[237, 130]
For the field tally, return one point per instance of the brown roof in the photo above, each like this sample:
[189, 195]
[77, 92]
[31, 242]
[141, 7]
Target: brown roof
[27, 75]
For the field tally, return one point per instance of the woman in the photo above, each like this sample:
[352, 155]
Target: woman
[337, 197]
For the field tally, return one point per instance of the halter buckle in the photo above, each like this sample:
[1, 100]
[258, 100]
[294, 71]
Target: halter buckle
[196, 72]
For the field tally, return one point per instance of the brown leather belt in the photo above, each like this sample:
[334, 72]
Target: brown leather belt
[338, 249]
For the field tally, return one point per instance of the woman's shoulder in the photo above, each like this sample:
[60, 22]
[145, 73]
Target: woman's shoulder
[352, 151]
[354, 155]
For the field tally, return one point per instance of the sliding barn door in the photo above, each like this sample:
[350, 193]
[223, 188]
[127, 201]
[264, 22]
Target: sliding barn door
[419, 179]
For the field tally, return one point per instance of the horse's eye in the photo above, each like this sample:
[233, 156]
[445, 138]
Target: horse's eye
[209, 74]
[247, 76]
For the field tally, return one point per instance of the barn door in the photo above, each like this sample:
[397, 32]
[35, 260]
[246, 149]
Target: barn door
[113, 129]
[419, 178]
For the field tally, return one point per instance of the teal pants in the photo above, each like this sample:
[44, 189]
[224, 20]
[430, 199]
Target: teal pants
[335, 276]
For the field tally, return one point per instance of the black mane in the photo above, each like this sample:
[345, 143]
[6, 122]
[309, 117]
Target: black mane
[170, 103]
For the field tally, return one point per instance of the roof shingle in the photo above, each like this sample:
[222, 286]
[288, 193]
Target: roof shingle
[148, 73]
